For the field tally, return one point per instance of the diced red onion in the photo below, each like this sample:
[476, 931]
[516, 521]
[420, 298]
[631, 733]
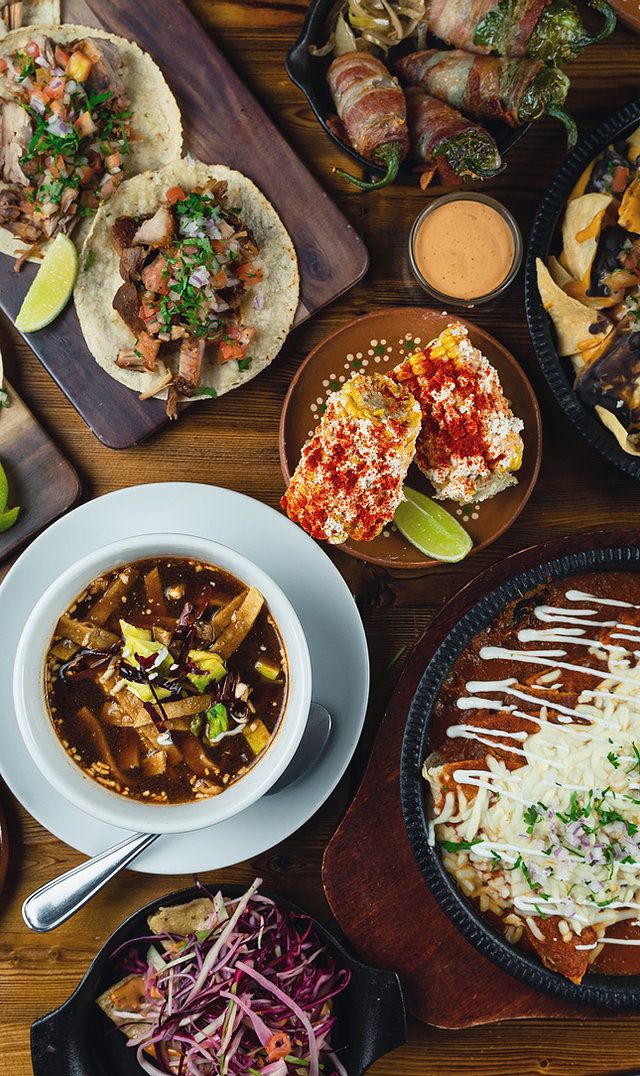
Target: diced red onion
[258, 300]
[41, 62]
[58, 126]
[38, 105]
[200, 277]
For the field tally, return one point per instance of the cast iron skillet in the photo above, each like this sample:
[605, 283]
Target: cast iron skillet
[310, 74]
[79, 1040]
[466, 614]
[545, 241]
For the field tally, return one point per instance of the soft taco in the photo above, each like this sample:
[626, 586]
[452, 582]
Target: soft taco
[80, 110]
[33, 13]
[188, 283]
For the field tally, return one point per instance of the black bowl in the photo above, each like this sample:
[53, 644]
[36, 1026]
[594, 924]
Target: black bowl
[584, 553]
[79, 1040]
[310, 74]
[545, 241]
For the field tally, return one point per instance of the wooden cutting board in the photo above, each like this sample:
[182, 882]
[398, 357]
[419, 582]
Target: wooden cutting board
[223, 124]
[372, 881]
[41, 480]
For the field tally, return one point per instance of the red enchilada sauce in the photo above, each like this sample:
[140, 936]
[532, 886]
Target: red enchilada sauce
[484, 690]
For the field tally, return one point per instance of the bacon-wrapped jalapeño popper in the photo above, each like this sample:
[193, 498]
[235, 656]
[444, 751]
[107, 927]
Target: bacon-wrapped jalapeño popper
[491, 87]
[454, 145]
[372, 109]
[547, 30]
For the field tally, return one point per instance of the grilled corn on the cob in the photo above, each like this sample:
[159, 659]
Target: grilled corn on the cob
[470, 443]
[349, 480]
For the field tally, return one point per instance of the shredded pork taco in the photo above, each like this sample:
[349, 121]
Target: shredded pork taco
[80, 110]
[188, 283]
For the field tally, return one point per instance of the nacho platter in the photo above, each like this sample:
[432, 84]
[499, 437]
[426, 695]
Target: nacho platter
[114, 413]
[565, 321]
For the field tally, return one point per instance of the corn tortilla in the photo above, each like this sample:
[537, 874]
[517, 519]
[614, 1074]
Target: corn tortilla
[156, 117]
[99, 278]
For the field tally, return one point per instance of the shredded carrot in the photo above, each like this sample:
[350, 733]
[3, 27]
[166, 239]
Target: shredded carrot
[278, 1046]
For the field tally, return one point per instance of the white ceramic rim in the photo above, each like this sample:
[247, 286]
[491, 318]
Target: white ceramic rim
[67, 777]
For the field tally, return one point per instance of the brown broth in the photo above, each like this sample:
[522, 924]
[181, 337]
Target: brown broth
[125, 758]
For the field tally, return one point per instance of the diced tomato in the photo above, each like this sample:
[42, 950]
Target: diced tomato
[32, 49]
[218, 246]
[39, 95]
[219, 280]
[79, 66]
[149, 348]
[62, 57]
[54, 93]
[249, 273]
[113, 161]
[153, 279]
[3, 65]
[619, 179]
[107, 186]
[229, 349]
[84, 125]
[60, 109]
[174, 194]
[86, 174]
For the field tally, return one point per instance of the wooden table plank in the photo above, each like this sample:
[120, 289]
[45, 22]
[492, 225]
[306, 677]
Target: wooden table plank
[234, 443]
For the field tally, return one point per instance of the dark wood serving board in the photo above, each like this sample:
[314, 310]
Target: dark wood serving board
[223, 124]
[41, 480]
[372, 881]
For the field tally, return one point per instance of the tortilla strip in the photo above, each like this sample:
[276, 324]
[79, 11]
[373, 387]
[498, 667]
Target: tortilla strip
[241, 623]
[99, 740]
[581, 229]
[223, 616]
[85, 634]
[102, 609]
[182, 919]
[127, 701]
[194, 704]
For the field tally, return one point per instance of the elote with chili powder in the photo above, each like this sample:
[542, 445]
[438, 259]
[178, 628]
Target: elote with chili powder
[348, 483]
[470, 444]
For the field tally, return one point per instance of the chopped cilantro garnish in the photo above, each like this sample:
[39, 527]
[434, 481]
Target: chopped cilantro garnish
[613, 759]
[459, 846]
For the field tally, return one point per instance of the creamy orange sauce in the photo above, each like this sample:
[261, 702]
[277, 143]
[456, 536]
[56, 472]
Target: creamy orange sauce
[464, 249]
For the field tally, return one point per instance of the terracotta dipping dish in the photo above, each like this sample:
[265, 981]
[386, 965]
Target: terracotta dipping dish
[377, 342]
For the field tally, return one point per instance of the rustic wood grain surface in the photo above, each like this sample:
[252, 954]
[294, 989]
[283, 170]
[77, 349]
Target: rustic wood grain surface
[235, 444]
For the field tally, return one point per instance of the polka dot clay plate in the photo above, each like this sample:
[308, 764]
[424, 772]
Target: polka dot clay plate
[377, 342]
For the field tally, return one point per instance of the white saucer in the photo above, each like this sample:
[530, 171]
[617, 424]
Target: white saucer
[321, 599]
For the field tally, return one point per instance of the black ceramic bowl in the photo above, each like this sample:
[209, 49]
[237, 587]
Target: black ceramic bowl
[79, 1040]
[583, 553]
[545, 240]
[310, 74]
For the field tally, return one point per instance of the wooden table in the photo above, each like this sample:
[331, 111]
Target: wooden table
[234, 443]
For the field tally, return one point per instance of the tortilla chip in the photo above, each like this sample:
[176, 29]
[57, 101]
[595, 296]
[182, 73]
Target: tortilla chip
[182, 919]
[572, 320]
[133, 1029]
[156, 116]
[581, 229]
[559, 274]
[633, 142]
[99, 277]
[581, 185]
[629, 212]
[36, 13]
[612, 423]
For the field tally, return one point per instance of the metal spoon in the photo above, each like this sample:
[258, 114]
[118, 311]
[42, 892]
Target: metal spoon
[62, 897]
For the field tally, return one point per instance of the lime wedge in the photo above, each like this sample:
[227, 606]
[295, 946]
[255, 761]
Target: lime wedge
[4, 489]
[8, 518]
[51, 289]
[430, 528]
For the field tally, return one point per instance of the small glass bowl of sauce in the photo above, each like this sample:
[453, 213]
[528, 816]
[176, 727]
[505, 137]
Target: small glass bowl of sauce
[465, 248]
